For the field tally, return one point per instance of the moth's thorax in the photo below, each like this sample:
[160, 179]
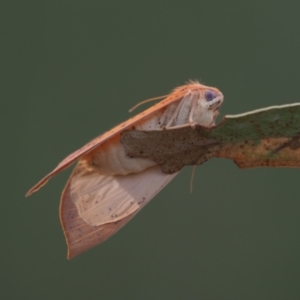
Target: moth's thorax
[193, 108]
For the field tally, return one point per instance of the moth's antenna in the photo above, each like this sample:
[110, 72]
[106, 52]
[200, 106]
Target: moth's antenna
[192, 178]
[146, 101]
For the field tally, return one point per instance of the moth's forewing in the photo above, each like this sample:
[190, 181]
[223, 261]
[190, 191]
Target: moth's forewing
[95, 143]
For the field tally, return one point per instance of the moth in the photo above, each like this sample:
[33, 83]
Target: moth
[107, 187]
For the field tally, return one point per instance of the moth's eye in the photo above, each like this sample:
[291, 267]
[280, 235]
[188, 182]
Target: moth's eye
[210, 95]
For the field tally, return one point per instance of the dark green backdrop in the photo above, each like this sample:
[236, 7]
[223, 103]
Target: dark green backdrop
[71, 70]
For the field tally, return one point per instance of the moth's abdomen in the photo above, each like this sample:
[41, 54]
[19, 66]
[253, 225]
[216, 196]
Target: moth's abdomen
[111, 159]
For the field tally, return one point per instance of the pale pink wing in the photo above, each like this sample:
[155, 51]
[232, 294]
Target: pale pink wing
[94, 206]
[176, 95]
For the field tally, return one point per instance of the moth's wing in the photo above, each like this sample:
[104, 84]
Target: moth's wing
[95, 143]
[94, 206]
[79, 235]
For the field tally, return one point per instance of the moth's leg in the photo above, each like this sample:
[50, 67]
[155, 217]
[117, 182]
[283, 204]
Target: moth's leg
[164, 118]
[174, 116]
[191, 120]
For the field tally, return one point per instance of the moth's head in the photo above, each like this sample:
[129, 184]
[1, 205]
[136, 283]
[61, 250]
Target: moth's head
[211, 99]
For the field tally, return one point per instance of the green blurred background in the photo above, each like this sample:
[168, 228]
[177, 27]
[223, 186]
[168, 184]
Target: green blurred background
[71, 70]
